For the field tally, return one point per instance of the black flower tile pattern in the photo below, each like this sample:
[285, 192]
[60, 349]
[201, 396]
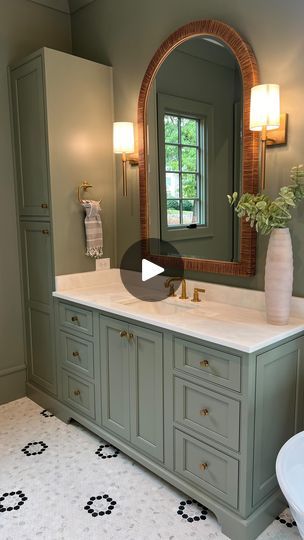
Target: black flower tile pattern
[101, 505]
[69, 470]
[288, 522]
[192, 511]
[107, 451]
[34, 448]
[12, 501]
[46, 413]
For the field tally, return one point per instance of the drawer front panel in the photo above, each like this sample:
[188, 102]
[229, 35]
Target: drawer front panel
[209, 469]
[79, 394]
[77, 354]
[208, 413]
[76, 318]
[209, 364]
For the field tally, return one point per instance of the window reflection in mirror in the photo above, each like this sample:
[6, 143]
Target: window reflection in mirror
[194, 149]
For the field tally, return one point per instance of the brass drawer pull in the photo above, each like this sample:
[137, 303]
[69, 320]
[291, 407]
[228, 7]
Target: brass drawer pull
[74, 318]
[77, 392]
[204, 412]
[204, 363]
[45, 231]
[203, 466]
[124, 333]
[44, 205]
[75, 353]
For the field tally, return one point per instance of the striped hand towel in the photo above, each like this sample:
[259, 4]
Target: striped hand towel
[93, 229]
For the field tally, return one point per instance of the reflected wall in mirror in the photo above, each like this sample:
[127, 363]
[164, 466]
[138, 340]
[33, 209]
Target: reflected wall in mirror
[195, 147]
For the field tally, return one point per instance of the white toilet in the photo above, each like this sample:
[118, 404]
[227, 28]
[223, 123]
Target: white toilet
[290, 474]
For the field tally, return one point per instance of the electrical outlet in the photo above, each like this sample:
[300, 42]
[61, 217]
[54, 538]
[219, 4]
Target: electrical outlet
[102, 264]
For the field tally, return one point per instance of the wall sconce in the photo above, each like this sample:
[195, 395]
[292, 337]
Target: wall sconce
[123, 142]
[265, 116]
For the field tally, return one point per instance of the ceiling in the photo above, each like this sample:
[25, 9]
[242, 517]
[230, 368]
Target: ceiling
[67, 6]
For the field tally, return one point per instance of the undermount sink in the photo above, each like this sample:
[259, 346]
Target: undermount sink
[158, 308]
[169, 307]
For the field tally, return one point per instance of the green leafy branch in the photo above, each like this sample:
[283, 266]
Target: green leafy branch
[265, 214]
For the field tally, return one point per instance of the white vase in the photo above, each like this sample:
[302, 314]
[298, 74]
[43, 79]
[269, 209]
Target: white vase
[278, 277]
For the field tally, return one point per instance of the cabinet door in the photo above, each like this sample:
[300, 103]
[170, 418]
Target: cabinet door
[115, 376]
[30, 138]
[146, 396]
[38, 285]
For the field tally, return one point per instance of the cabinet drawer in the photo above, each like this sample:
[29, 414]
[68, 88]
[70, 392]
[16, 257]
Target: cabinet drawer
[208, 413]
[209, 469]
[76, 318]
[77, 355]
[79, 394]
[209, 364]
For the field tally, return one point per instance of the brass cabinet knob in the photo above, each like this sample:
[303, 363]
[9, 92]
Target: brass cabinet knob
[204, 363]
[44, 205]
[45, 231]
[77, 392]
[130, 336]
[204, 412]
[75, 353]
[123, 333]
[74, 318]
[203, 466]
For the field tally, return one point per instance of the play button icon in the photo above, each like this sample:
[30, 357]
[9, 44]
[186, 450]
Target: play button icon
[150, 270]
[143, 272]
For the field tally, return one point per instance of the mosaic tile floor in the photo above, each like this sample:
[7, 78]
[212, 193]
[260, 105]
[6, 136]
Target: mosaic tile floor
[61, 482]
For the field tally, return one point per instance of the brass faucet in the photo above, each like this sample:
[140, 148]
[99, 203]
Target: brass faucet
[196, 292]
[169, 283]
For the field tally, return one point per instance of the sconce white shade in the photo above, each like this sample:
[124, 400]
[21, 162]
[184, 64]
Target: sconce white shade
[123, 137]
[265, 107]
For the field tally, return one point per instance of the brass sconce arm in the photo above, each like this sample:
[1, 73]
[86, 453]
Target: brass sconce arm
[133, 160]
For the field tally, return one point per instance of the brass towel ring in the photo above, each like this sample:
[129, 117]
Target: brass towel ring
[83, 186]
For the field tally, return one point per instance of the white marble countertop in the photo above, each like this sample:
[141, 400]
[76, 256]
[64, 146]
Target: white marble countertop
[230, 325]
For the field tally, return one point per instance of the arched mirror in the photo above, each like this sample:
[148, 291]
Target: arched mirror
[195, 147]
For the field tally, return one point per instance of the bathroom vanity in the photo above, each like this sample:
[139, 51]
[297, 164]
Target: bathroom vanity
[202, 395]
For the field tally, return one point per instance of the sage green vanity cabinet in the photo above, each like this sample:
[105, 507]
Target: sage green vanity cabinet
[36, 249]
[132, 384]
[206, 418]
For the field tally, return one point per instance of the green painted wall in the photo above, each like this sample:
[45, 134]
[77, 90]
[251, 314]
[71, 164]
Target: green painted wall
[126, 35]
[24, 27]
